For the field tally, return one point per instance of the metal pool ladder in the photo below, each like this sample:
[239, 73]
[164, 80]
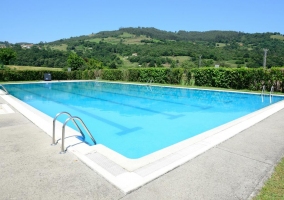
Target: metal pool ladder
[150, 81]
[63, 129]
[271, 90]
[263, 89]
[4, 89]
[148, 84]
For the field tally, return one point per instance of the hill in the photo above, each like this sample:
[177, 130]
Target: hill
[133, 47]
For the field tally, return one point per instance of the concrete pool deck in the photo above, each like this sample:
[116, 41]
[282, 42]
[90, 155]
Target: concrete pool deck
[32, 169]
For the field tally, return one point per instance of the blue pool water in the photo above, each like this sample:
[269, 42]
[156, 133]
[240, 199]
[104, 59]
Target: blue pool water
[136, 120]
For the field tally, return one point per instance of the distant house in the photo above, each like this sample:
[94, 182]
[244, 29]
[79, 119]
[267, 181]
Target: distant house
[2, 46]
[134, 54]
[26, 46]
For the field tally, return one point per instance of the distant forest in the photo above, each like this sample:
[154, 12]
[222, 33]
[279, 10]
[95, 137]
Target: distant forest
[150, 47]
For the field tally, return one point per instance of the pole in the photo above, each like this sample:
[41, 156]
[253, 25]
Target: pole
[264, 58]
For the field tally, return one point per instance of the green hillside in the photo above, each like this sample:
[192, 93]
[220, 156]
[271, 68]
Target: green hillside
[134, 47]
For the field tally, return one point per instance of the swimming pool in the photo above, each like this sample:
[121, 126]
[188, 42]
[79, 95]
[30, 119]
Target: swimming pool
[137, 120]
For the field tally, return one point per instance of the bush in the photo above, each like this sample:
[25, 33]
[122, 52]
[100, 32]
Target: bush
[239, 78]
[112, 74]
[33, 75]
[234, 78]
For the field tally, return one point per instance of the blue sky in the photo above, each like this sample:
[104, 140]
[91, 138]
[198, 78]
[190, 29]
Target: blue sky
[50, 20]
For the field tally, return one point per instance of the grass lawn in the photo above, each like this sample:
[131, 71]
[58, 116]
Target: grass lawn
[97, 40]
[126, 35]
[220, 44]
[125, 38]
[111, 40]
[135, 40]
[179, 58]
[279, 37]
[232, 63]
[33, 68]
[62, 47]
[127, 63]
[274, 187]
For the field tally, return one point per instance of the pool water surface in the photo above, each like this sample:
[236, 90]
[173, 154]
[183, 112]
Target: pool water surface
[137, 120]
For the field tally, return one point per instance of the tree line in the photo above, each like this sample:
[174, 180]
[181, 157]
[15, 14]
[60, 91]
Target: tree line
[158, 49]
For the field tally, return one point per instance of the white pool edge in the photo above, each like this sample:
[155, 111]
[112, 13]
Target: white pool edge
[131, 178]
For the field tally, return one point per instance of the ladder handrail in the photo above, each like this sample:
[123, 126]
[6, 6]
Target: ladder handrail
[148, 84]
[150, 81]
[63, 131]
[271, 90]
[263, 89]
[53, 130]
[5, 90]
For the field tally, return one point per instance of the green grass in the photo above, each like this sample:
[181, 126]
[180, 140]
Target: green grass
[231, 63]
[135, 40]
[96, 40]
[279, 37]
[126, 35]
[62, 47]
[112, 40]
[80, 47]
[5, 82]
[33, 68]
[220, 44]
[127, 63]
[274, 187]
[179, 58]
[125, 38]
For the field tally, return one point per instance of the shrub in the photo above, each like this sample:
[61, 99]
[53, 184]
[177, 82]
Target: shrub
[235, 78]
[112, 74]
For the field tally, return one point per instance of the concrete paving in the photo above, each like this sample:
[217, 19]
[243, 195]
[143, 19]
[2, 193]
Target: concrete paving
[234, 169]
[32, 169]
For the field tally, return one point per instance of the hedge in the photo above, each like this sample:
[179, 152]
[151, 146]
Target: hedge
[240, 78]
[234, 78]
[32, 75]
[156, 75]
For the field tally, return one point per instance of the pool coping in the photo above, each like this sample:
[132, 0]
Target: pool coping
[130, 174]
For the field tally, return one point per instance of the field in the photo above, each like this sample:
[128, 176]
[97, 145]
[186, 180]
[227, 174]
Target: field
[33, 68]
[126, 35]
[125, 38]
[96, 40]
[179, 58]
[231, 63]
[62, 47]
[279, 37]
[220, 44]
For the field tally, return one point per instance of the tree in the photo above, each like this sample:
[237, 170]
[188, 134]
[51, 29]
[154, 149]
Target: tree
[94, 64]
[75, 62]
[187, 64]
[6, 54]
[152, 64]
[113, 65]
